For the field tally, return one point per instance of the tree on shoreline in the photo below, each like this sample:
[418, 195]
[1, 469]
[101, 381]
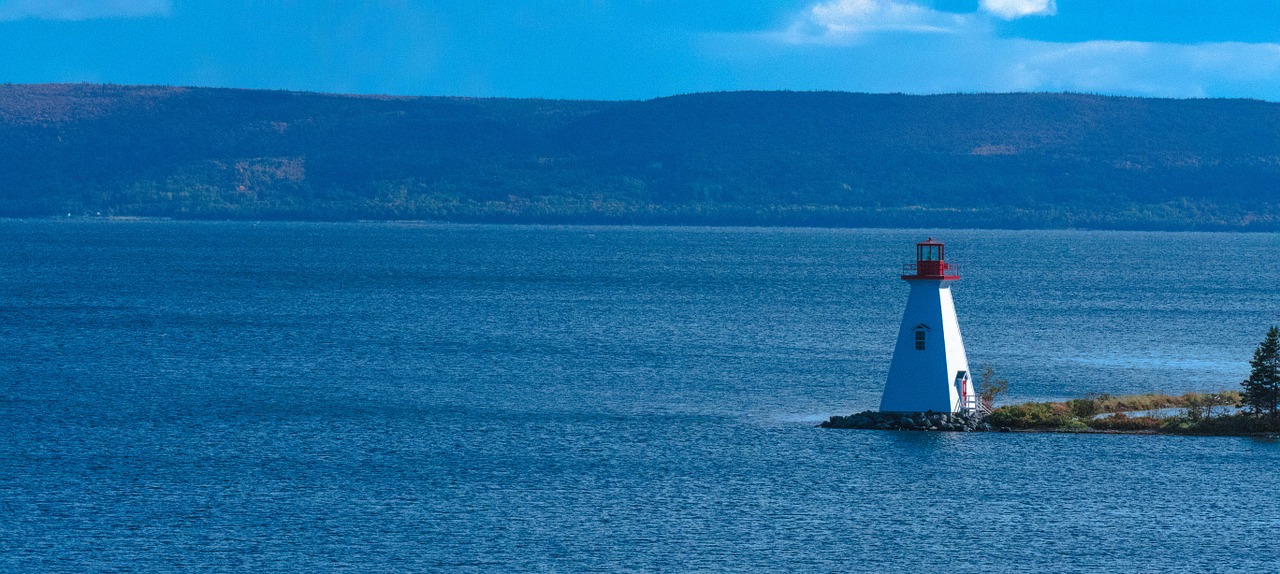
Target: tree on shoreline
[1262, 388]
[990, 388]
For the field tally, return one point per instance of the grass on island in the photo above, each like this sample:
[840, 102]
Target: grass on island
[1201, 413]
[1255, 409]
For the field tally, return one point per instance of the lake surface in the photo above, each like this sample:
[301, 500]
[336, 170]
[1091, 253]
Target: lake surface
[281, 397]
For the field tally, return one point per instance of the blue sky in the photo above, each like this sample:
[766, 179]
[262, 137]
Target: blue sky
[604, 49]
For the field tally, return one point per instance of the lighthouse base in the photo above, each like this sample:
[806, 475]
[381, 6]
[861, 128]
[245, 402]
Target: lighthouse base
[946, 422]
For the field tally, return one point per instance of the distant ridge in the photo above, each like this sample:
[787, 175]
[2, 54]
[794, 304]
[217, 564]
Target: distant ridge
[753, 158]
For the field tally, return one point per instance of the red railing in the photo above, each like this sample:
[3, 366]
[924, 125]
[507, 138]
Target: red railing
[931, 269]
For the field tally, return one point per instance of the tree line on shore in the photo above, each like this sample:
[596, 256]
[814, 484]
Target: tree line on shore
[740, 158]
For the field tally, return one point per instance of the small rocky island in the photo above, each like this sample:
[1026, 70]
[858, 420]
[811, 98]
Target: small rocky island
[1189, 414]
[1254, 410]
[929, 421]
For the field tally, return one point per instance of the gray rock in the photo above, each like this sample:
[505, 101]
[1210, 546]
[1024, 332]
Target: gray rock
[927, 421]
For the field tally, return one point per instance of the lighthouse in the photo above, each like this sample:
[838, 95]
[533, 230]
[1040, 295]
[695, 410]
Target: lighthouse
[929, 371]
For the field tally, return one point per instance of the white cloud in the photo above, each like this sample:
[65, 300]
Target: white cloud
[843, 21]
[82, 9]
[1011, 9]
[846, 21]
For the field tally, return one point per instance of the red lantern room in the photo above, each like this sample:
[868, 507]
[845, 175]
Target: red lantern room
[930, 264]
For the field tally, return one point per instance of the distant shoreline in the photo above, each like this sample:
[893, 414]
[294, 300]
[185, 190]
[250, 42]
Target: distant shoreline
[750, 158]
[446, 222]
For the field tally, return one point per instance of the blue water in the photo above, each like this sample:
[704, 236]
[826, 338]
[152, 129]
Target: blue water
[243, 397]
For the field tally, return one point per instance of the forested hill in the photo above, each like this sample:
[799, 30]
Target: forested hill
[759, 158]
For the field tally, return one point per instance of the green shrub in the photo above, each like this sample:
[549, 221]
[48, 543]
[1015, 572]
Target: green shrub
[1236, 424]
[1031, 416]
[1179, 425]
[1197, 406]
[1073, 425]
[1083, 408]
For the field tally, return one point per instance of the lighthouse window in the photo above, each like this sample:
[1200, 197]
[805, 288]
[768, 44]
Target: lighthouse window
[919, 340]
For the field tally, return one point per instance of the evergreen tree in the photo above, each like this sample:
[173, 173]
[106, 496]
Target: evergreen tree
[1262, 388]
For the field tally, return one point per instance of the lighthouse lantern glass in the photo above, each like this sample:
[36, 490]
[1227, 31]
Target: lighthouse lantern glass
[929, 253]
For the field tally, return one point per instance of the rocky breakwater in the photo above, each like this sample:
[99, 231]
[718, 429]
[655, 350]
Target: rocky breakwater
[929, 421]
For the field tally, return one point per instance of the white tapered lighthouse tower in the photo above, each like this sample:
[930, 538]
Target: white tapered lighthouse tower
[929, 371]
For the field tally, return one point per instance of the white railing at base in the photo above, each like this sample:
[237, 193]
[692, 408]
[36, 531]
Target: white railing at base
[970, 405]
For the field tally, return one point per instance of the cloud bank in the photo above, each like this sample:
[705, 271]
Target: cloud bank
[900, 46]
[82, 9]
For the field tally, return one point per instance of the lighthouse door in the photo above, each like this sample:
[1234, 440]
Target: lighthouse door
[967, 401]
